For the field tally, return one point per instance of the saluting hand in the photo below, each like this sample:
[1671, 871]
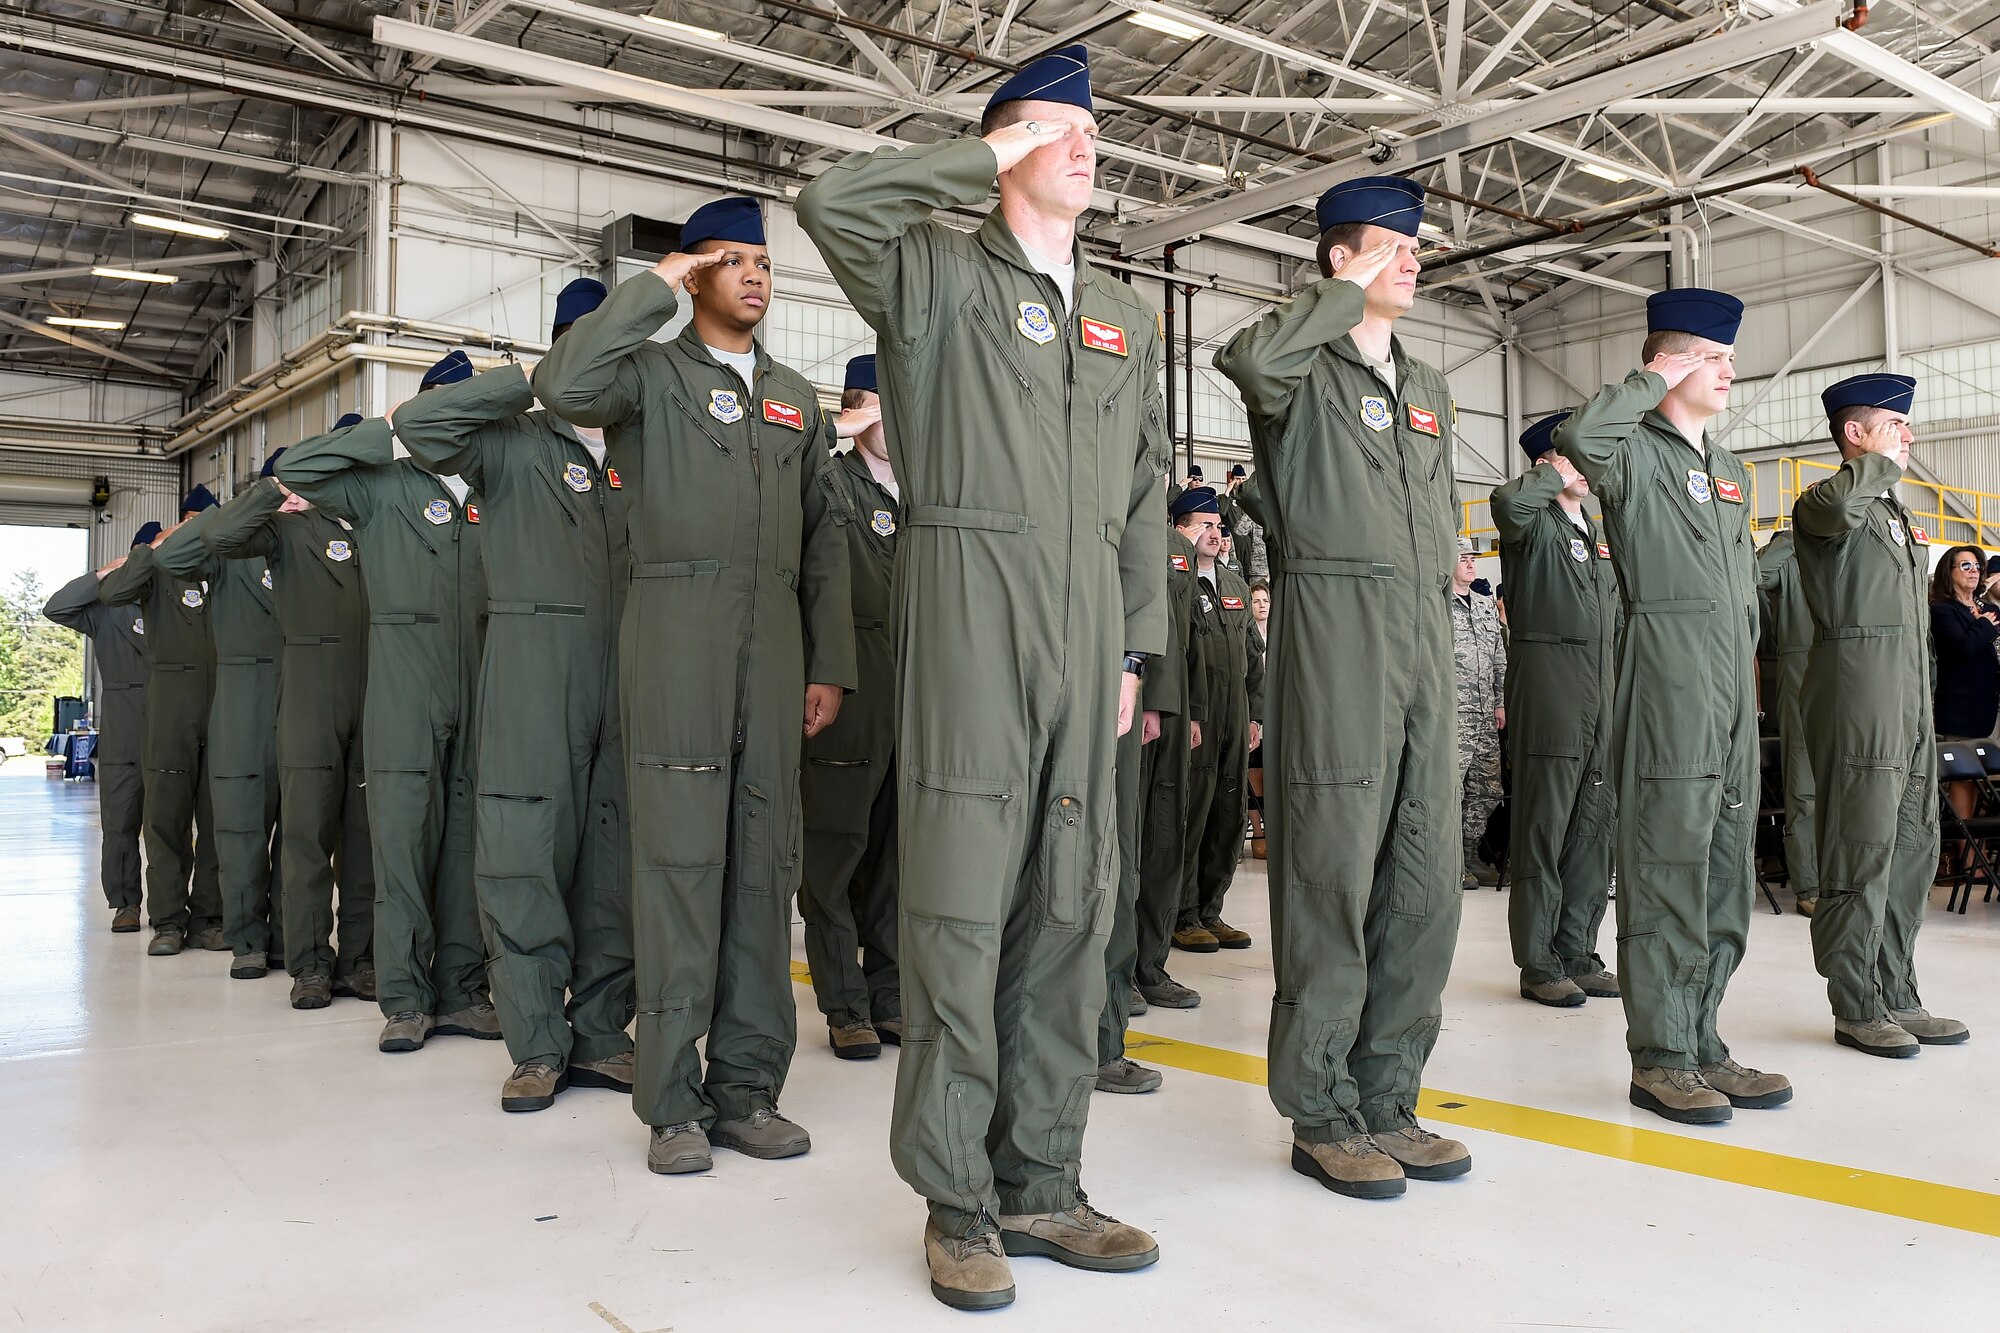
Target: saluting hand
[854, 421]
[113, 565]
[1364, 267]
[1011, 143]
[1885, 437]
[673, 270]
[1673, 367]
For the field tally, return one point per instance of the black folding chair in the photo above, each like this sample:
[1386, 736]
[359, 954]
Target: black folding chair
[1959, 761]
[1769, 842]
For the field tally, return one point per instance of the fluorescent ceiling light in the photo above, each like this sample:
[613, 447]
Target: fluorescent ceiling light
[1171, 27]
[72, 322]
[1391, 97]
[1430, 227]
[1603, 173]
[687, 29]
[132, 275]
[181, 225]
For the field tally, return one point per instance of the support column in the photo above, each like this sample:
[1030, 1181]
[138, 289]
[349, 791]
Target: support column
[1892, 350]
[381, 257]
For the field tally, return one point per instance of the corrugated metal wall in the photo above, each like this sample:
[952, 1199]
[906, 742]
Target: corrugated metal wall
[143, 490]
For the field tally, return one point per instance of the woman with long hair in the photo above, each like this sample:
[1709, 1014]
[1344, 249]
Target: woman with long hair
[1964, 629]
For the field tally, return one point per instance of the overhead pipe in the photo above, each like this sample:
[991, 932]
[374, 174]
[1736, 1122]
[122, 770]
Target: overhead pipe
[1167, 326]
[1811, 177]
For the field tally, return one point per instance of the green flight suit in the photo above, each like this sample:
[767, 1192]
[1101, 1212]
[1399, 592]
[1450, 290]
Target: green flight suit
[1026, 434]
[549, 852]
[1217, 824]
[1787, 627]
[1562, 617]
[1166, 690]
[1684, 726]
[322, 674]
[243, 773]
[1168, 772]
[1361, 794]
[183, 883]
[1869, 731]
[426, 624]
[847, 889]
[118, 637]
[739, 599]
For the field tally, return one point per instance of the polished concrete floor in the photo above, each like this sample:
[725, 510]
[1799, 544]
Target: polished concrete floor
[179, 1151]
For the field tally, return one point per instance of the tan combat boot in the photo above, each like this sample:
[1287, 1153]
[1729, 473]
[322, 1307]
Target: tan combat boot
[1355, 1166]
[968, 1272]
[475, 1020]
[1080, 1237]
[678, 1150]
[1424, 1155]
[1226, 935]
[613, 1073]
[1195, 939]
[854, 1041]
[1599, 985]
[406, 1030]
[1930, 1030]
[125, 921]
[1679, 1095]
[1877, 1036]
[1750, 1089]
[1562, 993]
[533, 1086]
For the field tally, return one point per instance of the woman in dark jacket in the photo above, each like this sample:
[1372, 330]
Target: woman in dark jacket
[1963, 631]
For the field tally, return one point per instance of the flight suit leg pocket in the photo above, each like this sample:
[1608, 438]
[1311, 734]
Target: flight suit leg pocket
[1678, 809]
[757, 843]
[1061, 862]
[238, 803]
[515, 836]
[1868, 801]
[1415, 856]
[687, 804]
[1329, 826]
[958, 847]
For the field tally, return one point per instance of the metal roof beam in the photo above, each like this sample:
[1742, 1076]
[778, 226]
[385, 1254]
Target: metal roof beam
[87, 345]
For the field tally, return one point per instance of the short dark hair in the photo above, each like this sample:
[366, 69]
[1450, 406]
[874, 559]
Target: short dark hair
[1670, 341]
[559, 330]
[1347, 236]
[853, 397]
[1260, 585]
[1837, 423]
[1000, 115]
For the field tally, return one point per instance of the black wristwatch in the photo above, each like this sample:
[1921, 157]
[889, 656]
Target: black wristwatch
[1135, 664]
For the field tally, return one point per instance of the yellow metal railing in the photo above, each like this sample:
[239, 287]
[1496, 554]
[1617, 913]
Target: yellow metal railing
[1949, 515]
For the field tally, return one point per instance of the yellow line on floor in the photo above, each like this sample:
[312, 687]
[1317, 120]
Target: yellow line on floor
[1850, 1187]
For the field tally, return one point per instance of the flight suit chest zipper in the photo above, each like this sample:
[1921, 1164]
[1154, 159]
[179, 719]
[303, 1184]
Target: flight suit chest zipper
[757, 555]
[1000, 346]
[699, 424]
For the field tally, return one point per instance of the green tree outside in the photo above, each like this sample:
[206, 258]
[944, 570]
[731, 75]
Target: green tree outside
[38, 661]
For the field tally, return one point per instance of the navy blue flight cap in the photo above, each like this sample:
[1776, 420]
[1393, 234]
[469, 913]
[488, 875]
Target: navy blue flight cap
[452, 368]
[1539, 438]
[198, 499]
[1706, 314]
[144, 536]
[861, 374]
[271, 463]
[346, 419]
[1483, 587]
[733, 219]
[1194, 469]
[1060, 76]
[577, 300]
[1194, 500]
[1395, 202]
[1238, 470]
[1876, 389]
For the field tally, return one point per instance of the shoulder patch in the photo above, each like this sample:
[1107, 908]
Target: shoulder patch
[1179, 562]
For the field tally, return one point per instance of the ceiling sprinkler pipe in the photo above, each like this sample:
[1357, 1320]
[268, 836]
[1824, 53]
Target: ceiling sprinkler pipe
[1857, 20]
[1811, 177]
